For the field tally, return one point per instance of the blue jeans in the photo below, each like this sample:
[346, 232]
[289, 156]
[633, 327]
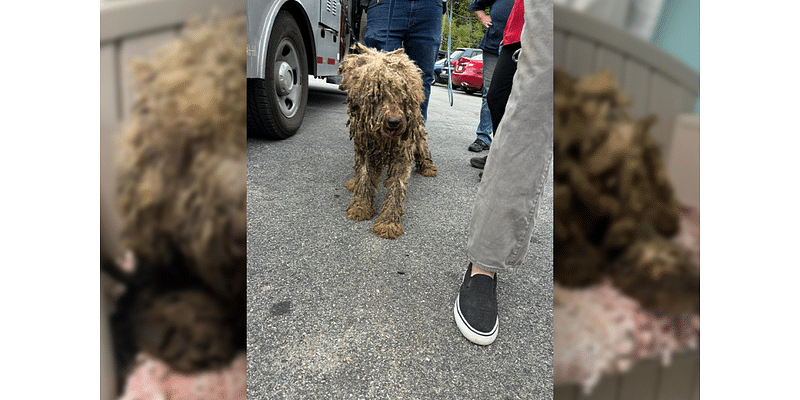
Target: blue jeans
[484, 131]
[415, 25]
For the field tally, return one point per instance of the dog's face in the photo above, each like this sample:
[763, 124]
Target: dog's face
[391, 115]
[385, 88]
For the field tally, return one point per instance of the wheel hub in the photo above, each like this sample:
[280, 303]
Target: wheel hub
[284, 82]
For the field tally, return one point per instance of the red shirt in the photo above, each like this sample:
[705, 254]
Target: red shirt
[516, 19]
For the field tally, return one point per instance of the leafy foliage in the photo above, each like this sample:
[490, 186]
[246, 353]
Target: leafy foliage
[466, 30]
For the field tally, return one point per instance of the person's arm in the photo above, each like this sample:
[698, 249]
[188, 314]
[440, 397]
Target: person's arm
[479, 8]
[484, 18]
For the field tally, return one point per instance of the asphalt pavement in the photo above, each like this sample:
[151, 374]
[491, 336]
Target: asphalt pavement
[336, 312]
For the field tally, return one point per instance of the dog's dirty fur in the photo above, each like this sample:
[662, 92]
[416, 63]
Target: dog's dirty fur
[182, 197]
[384, 92]
[613, 205]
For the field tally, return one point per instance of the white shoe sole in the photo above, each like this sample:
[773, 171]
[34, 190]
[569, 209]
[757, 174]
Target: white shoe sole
[474, 336]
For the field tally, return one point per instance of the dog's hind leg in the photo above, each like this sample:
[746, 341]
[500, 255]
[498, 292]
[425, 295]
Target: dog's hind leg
[390, 224]
[422, 158]
[363, 185]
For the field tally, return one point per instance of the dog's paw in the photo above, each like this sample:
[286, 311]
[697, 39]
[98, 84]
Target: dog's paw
[358, 212]
[387, 230]
[351, 184]
[428, 169]
[187, 329]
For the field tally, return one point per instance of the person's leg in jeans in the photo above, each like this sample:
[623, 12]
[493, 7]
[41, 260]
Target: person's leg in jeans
[422, 41]
[497, 96]
[384, 31]
[415, 25]
[485, 128]
[507, 202]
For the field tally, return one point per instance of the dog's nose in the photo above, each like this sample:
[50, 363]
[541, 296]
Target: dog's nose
[393, 123]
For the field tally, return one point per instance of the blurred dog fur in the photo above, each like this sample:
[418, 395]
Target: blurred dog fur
[182, 197]
[384, 92]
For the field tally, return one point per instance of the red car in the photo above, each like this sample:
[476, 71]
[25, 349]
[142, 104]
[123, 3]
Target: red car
[468, 74]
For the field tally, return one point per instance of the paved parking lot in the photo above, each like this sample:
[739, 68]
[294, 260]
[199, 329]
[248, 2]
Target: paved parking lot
[336, 312]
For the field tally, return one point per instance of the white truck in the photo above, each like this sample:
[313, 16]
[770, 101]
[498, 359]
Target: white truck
[288, 40]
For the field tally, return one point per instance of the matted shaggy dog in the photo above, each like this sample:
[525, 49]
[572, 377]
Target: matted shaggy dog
[182, 198]
[384, 92]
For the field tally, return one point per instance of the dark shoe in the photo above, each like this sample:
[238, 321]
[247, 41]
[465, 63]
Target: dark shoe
[475, 310]
[478, 162]
[478, 146]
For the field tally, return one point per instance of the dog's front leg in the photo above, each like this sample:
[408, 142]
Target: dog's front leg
[363, 187]
[422, 157]
[390, 224]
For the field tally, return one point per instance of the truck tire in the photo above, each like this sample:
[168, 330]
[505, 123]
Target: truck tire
[276, 105]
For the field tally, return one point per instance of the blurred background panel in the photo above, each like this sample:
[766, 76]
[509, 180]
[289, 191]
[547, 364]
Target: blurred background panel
[651, 47]
[130, 29]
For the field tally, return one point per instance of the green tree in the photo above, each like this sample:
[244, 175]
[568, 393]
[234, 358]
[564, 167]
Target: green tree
[466, 31]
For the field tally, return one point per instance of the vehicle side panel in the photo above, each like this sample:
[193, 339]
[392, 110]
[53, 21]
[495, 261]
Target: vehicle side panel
[327, 37]
[319, 21]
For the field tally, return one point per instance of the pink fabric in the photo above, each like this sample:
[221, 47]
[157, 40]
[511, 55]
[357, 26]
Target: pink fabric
[599, 330]
[154, 380]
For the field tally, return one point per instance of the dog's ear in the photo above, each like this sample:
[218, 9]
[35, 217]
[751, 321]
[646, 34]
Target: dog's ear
[343, 73]
[419, 95]
[345, 69]
[345, 63]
